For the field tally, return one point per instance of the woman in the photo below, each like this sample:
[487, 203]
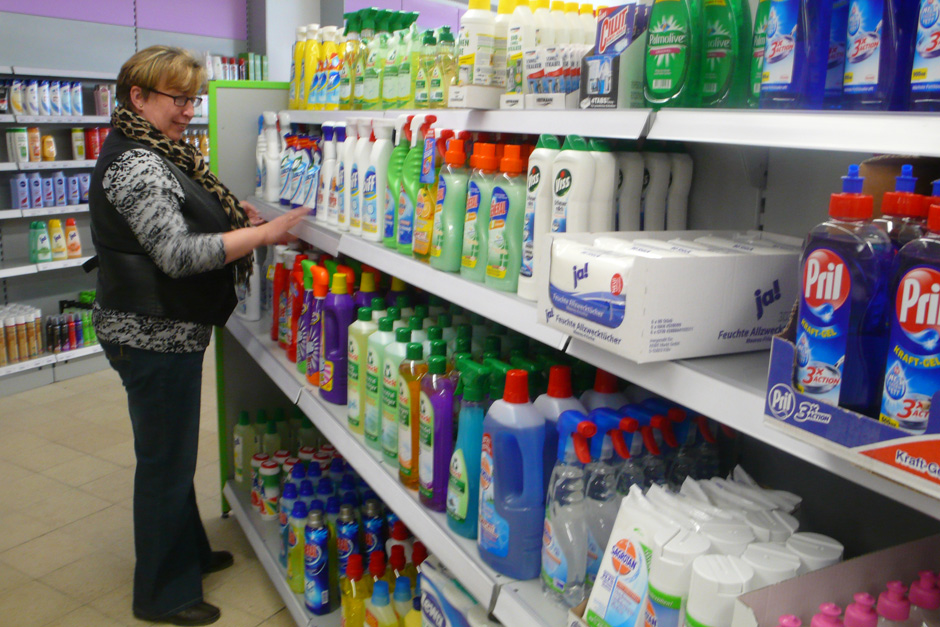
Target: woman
[171, 242]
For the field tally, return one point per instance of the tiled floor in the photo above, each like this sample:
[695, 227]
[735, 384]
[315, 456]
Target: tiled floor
[66, 535]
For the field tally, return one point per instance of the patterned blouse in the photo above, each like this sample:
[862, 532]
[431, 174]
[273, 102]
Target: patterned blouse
[144, 191]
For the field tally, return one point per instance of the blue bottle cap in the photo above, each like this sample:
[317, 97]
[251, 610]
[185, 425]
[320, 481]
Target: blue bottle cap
[325, 486]
[350, 499]
[936, 188]
[338, 466]
[306, 488]
[348, 482]
[380, 593]
[339, 134]
[327, 131]
[852, 183]
[300, 510]
[316, 504]
[403, 589]
[314, 472]
[907, 180]
[290, 491]
[298, 472]
[332, 505]
[369, 494]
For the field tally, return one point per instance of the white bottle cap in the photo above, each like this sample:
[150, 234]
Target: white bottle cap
[728, 537]
[773, 526]
[786, 501]
[21, 320]
[772, 562]
[815, 550]
[671, 566]
[754, 494]
[365, 127]
[717, 580]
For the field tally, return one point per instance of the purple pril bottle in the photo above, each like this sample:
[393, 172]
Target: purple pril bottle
[338, 311]
[436, 436]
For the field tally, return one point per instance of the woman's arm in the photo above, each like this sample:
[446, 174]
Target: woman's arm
[240, 242]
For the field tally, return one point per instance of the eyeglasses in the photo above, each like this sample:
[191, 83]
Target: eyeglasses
[181, 101]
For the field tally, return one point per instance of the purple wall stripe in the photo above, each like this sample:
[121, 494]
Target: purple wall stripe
[227, 19]
[116, 12]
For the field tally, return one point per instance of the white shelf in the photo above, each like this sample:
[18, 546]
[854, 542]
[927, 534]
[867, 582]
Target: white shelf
[47, 266]
[199, 120]
[897, 133]
[731, 389]
[57, 165]
[78, 352]
[23, 366]
[16, 267]
[6, 69]
[518, 602]
[504, 307]
[7, 118]
[33, 71]
[54, 211]
[63, 119]
[7, 166]
[255, 337]
[310, 231]
[265, 539]
[10, 214]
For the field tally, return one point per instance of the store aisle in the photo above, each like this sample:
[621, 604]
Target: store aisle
[66, 535]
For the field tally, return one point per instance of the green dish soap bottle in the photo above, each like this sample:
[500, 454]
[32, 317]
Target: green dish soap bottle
[674, 54]
[758, 43]
[477, 215]
[507, 214]
[447, 232]
[726, 65]
[395, 163]
[434, 147]
[411, 182]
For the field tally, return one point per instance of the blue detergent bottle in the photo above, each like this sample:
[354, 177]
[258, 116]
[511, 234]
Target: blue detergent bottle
[911, 383]
[878, 47]
[925, 70]
[903, 212]
[835, 67]
[512, 482]
[842, 328]
[463, 497]
[796, 54]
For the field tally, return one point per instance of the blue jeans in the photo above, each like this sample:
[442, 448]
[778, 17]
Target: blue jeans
[163, 398]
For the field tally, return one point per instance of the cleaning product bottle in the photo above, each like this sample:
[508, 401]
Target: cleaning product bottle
[562, 34]
[395, 165]
[390, 74]
[603, 196]
[337, 316]
[504, 13]
[372, 417]
[395, 352]
[674, 54]
[407, 66]
[844, 270]
[861, 613]
[758, 43]
[425, 66]
[359, 333]
[297, 69]
[400, 536]
[573, 19]
[318, 278]
[245, 446]
[564, 541]
[463, 486]
[379, 309]
[557, 399]
[449, 211]
[475, 44]
[909, 379]
[355, 590]
[893, 607]
[271, 440]
[357, 174]
[366, 33]
[333, 62]
[512, 500]
[436, 433]
[311, 60]
[538, 213]
[288, 498]
[378, 609]
[349, 52]
[295, 550]
[73, 243]
[57, 239]
[411, 185]
[476, 218]
[376, 181]
[573, 172]
[796, 54]
[348, 170]
[544, 24]
[878, 55]
[375, 60]
[295, 301]
[835, 69]
[925, 72]
[506, 223]
[588, 23]
[520, 37]
[444, 72]
[402, 598]
[426, 203]
[336, 189]
[410, 373]
[604, 393]
[327, 167]
[925, 599]
[367, 291]
[903, 213]
[726, 64]
[316, 564]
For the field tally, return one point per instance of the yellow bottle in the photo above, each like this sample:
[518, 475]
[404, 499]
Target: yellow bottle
[297, 68]
[413, 618]
[444, 73]
[410, 371]
[328, 100]
[350, 50]
[366, 33]
[379, 610]
[310, 67]
[425, 68]
[57, 238]
[355, 590]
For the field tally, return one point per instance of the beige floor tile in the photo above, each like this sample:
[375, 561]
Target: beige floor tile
[40, 457]
[12, 472]
[34, 604]
[21, 527]
[207, 481]
[91, 576]
[44, 554]
[44, 394]
[11, 578]
[281, 619]
[111, 529]
[249, 590]
[117, 605]
[14, 405]
[37, 486]
[235, 617]
[84, 617]
[114, 486]
[121, 454]
[91, 438]
[73, 505]
[108, 413]
[80, 471]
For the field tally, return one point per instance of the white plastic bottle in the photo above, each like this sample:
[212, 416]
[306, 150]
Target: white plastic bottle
[360, 165]
[657, 187]
[544, 24]
[326, 171]
[260, 148]
[630, 197]
[573, 20]
[604, 393]
[376, 180]
[588, 24]
[501, 41]
[677, 200]
[249, 300]
[603, 195]
[272, 158]
[557, 13]
[538, 213]
[335, 189]
[521, 37]
[348, 159]
[475, 45]
[572, 181]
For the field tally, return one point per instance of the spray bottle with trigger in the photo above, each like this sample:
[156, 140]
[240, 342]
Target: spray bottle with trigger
[706, 463]
[683, 461]
[411, 185]
[393, 188]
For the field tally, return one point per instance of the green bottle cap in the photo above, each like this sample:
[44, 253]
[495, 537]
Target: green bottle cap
[438, 347]
[498, 371]
[445, 320]
[386, 324]
[464, 331]
[377, 304]
[403, 335]
[492, 344]
[306, 266]
[576, 142]
[414, 351]
[367, 19]
[244, 418]
[394, 313]
[435, 333]
[428, 38]
[365, 314]
[279, 413]
[446, 35]
[474, 378]
[437, 364]
[298, 414]
[402, 301]
[548, 141]
[272, 427]
[415, 323]
[421, 311]
[261, 417]
[462, 345]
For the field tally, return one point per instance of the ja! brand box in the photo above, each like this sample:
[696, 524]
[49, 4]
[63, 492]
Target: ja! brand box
[633, 296]
[612, 77]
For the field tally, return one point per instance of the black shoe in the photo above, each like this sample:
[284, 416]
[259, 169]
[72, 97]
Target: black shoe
[220, 560]
[201, 613]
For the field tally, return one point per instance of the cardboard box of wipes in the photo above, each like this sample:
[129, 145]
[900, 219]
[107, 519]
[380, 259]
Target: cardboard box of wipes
[657, 296]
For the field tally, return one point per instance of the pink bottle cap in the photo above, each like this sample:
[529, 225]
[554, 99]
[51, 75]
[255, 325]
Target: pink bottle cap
[789, 620]
[828, 616]
[862, 612]
[924, 592]
[893, 603]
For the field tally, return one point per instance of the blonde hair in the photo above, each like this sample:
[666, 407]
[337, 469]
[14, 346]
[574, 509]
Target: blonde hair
[174, 68]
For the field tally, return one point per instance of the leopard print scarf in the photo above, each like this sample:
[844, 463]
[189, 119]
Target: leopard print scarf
[190, 161]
